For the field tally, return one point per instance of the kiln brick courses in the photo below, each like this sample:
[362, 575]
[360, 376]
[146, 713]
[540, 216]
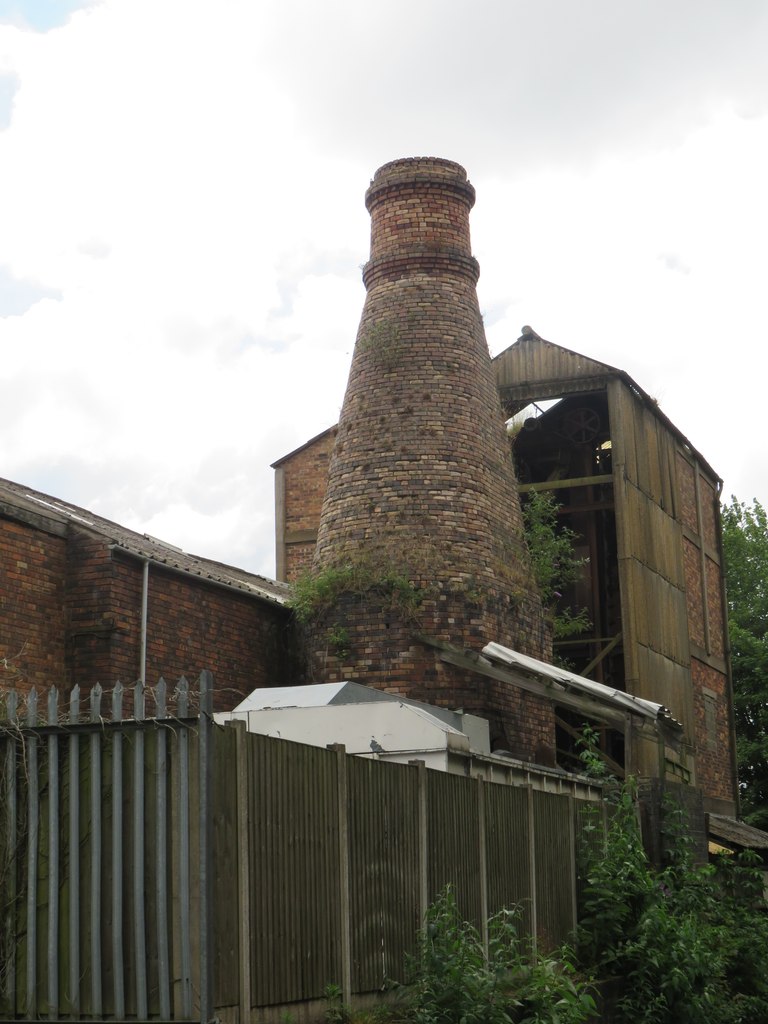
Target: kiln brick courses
[420, 479]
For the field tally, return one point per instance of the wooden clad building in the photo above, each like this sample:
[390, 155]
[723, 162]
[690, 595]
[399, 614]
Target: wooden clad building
[645, 506]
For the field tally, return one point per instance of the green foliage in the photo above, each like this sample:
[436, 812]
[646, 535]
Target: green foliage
[454, 982]
[553, 562]
[383, 341]
[339, 641]
[337, 1011]
[745, 547]
[589, 754]
[686, 944]
[316, 593]
[616, 884]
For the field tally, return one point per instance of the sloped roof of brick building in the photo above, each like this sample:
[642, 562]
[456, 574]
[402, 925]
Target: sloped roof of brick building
[307, 444]
[56, 516]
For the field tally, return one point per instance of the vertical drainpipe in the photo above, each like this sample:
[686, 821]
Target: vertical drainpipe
[144, 595]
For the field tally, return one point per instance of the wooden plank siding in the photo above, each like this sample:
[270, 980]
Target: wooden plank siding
[508, 849]
[555, 868]
[453, 841]
[294, 871]
[384, 870]
[317, 871]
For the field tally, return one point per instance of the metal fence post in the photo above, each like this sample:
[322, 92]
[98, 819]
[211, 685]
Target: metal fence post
[205, 724]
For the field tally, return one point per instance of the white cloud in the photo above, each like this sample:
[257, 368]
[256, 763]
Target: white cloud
[183, 185]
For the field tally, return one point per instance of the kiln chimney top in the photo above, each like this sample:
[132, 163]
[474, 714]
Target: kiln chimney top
[420, 220]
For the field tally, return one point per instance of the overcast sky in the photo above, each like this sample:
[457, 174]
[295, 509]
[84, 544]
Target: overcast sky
[182, 224]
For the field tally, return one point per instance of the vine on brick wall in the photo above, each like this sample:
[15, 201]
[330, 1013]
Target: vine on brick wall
[316, 592]
[383, 341]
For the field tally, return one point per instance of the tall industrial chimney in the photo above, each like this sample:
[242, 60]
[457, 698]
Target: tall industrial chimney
[420, 540]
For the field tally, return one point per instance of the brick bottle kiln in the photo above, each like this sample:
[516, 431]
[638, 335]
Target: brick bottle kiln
[420, 539]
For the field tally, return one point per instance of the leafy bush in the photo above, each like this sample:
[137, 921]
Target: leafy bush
[682, 945]
[316, 592]
[454, 982]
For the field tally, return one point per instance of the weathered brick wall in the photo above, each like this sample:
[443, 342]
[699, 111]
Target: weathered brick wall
[245, 643]
[687, 490]
[32, 620]
[70, 612]
[693, 592]
[707, 633]
[305, 475]
[717, 626]
[420, 480]
[710, 512]
[714, 761]
[191, 625]
[103, 614]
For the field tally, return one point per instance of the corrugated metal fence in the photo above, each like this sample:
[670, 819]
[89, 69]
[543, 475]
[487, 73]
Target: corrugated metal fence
[165, 868]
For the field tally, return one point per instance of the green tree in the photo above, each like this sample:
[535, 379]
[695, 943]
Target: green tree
[745, 548]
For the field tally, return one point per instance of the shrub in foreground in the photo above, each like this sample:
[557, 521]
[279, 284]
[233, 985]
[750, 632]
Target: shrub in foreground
[454, 982]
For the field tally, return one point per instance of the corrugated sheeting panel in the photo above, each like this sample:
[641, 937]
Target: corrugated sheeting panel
[654, 536]
[453, 841]
[541, 362]
[384, 870]
[555, 877]
[677, 685]
[650, 553]
[659, 614]
[635, 436]
[295, 876]
[508, 851]
[643, 445]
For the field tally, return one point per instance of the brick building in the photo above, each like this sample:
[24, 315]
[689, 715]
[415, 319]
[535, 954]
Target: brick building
[423, 489]
[645, 506]
[299, 494]
[642, 501]
[83, 600]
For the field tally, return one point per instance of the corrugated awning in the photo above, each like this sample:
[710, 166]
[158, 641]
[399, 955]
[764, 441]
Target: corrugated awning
[566, 689]
[738, 833]
[561, 679]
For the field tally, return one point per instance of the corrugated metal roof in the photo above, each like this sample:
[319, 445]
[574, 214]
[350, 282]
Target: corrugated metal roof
[738, 832]
[26, 502]
[616, 699]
